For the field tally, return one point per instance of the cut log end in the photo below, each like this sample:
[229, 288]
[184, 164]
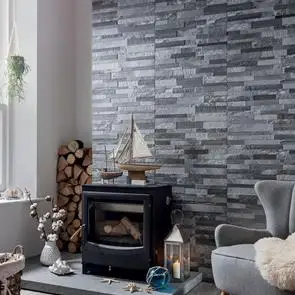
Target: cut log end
[74, 145]
[79, 153]
[63, 150]
[77, 171]
[71, 159]
[89, 170]
[62, 163]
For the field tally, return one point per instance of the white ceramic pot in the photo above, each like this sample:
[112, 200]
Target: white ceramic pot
[50, 253]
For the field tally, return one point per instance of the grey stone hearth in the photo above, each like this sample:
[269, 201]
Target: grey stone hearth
[38, 278]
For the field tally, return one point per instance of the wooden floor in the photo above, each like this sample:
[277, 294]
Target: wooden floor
[202, 289]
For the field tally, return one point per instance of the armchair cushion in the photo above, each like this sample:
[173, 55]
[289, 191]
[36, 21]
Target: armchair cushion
[228, 235]
[243, 251]
[234, 271]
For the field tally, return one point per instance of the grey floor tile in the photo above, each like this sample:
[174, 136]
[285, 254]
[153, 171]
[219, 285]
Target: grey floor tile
[205, 289]
[202, 289]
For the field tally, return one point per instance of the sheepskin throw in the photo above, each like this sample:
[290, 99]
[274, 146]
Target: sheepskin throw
[275, 259]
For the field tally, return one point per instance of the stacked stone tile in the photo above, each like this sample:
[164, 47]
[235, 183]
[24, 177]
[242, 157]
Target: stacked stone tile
[212, 87]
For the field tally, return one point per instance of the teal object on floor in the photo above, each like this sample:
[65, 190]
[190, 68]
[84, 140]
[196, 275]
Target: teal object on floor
[158, 277]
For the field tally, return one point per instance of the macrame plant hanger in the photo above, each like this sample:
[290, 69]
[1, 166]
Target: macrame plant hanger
[16, 66]
[13, 45]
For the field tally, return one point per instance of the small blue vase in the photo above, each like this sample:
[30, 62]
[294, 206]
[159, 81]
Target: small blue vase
[158, 277]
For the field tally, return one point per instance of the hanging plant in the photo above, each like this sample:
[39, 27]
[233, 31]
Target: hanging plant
[16, 70]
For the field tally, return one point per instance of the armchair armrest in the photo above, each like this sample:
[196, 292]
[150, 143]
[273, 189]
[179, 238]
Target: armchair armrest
[228, 235]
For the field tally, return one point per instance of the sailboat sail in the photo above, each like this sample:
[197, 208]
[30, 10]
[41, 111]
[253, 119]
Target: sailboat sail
[135, 142]
[139, 146]
[116, 152]
[124, 155]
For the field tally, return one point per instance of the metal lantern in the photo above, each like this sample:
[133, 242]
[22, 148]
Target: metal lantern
[177, 253]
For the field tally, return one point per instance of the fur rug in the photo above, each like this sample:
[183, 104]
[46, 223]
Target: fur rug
[275, 259]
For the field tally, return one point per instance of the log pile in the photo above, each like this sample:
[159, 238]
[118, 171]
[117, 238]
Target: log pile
[74, 169]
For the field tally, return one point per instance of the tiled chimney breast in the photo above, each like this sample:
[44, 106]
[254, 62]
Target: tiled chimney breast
[211, 85]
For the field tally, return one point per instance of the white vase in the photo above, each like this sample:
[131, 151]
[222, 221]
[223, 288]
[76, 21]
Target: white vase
[50, 253]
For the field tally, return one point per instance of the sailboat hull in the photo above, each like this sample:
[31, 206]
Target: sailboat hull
[110, 174]
[139, 167]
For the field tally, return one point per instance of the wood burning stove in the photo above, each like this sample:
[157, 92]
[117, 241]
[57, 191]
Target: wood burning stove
[125, 228]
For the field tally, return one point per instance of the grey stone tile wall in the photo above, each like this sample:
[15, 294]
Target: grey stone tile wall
[211, 84]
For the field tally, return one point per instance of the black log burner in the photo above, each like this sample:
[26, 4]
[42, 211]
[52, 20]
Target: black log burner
[125, 228]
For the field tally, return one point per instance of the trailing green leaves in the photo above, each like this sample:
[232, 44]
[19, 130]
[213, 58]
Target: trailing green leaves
[16, 70]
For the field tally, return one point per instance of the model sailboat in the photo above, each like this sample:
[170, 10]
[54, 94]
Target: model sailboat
[112, 172]
[127, 154]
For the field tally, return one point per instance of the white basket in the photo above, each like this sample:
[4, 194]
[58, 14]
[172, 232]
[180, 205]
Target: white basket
[10, 268]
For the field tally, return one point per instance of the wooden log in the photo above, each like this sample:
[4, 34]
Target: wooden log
[70, 218]
[134, 232]
[76, 198]
[71, 159]
[89, 169]
[71, 230]
[83, 178]
[78, 189]
[86, 161]
[79, 153]
[62, 163]
[76, 223]
[67, 191]
[73, 181]
[61, 185]
[62, 201]
[80, 211]
[72, 247]
[77, 171]
[111, 228]
[64, 236]
[72, 206]
[63, 150]
[60, 244]
[89, 180]
[61, 176]
[69, 171]
[75, 145]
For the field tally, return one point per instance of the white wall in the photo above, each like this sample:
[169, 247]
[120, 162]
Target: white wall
[55, 36]
[83, 32]
[64, 81]
[18, 228]
[56, 85]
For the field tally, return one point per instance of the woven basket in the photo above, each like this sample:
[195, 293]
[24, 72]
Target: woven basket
[11, 266]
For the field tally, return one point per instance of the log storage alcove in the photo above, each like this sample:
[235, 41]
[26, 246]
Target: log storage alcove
[74, 169]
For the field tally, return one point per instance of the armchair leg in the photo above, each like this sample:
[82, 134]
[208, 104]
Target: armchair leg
[224, 293]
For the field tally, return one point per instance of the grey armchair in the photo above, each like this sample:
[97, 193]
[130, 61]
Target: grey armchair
[233, 262]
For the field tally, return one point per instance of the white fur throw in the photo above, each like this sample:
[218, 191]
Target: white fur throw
[275, 259]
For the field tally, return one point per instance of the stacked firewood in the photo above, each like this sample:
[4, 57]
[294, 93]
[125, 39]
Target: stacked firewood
[74, 169]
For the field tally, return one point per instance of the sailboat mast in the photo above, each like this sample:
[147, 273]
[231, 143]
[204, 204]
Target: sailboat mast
[114, 160]
[106, 157]
[131, 139]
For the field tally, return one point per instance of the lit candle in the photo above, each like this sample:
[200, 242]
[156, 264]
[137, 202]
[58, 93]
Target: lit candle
[176, 270]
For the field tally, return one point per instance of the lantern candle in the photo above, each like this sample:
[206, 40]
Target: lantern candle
[176, 270]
